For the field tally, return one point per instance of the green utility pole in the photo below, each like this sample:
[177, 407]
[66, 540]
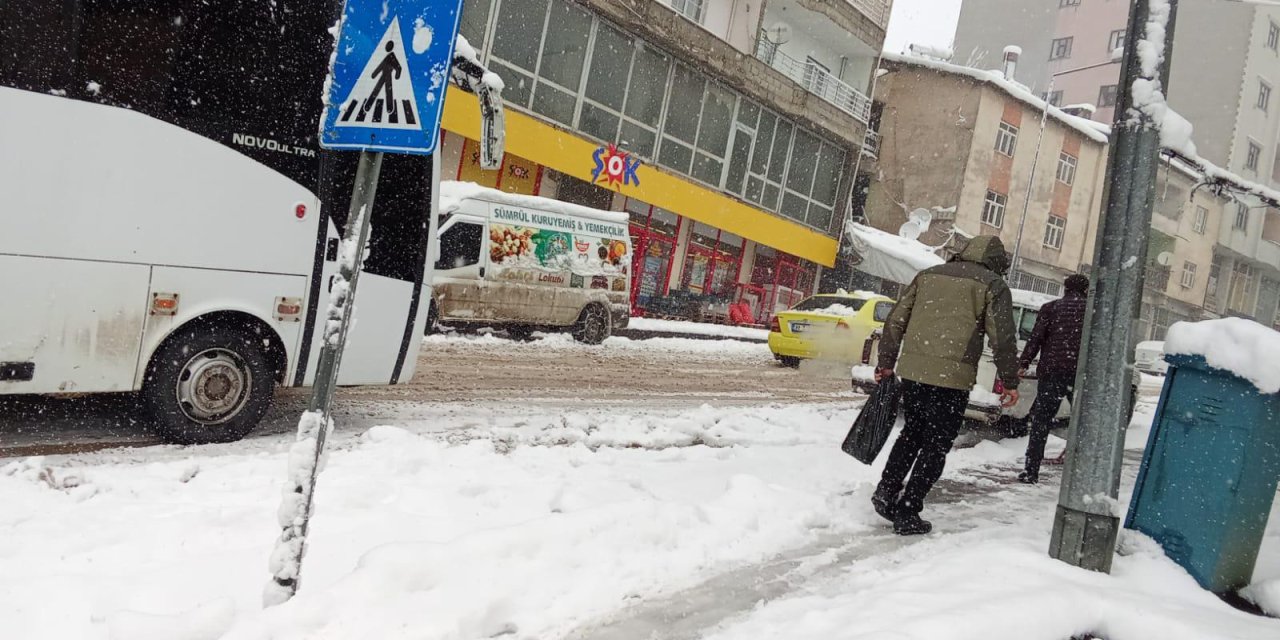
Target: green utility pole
[1088, 521]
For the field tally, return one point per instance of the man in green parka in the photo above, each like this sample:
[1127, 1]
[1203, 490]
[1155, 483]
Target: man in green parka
[934, 336]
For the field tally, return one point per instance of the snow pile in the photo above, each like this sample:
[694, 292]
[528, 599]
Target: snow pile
[1266, 595]
[837, 310]
[980, 397]
[453, 192]
[208, 621]
[340, 287]
[889, 256]
[1031, 299]
[697, 328]
[864, 373]
[1243, 347]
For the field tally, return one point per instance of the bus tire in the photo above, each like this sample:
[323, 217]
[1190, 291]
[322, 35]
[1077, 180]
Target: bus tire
[208, 384]
[593, 325]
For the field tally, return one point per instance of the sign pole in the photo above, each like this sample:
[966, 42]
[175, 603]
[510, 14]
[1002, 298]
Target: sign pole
[1087, 521]
[307, 453]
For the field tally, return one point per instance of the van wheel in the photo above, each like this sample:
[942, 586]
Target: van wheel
[208, 384]
[593, 325]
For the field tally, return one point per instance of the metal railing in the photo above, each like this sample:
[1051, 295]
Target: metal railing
[817, 80]
[877, 10]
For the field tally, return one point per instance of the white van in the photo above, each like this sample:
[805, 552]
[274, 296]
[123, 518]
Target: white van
[525, 264]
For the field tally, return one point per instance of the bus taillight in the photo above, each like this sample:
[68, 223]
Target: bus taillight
[300, 211]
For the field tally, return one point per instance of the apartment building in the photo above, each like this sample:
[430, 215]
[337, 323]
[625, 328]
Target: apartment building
[967, 144]
[1225, 68]
[742, 120]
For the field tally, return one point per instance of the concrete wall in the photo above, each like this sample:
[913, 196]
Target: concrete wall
[1175, 216]
[927, 128]
[1089, 24]
[734, 21]
[815, 35]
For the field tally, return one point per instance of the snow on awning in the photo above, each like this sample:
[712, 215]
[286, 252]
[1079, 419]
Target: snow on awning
[888, 256]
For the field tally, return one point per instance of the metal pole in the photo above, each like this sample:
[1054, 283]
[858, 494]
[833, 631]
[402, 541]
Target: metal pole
[1087, 520]
[313, 428]
[1031, 181]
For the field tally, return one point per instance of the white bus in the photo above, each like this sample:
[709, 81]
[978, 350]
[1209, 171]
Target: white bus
[168, 223]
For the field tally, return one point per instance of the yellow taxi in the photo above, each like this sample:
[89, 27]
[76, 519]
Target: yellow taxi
[831, 326]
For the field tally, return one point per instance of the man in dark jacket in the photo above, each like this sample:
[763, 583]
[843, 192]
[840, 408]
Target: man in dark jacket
[938, 327]
[1056, 339]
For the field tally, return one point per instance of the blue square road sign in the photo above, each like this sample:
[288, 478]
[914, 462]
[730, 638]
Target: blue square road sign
[388, 78]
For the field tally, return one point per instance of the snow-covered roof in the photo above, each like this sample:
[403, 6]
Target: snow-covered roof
[888, 256]
[452, 193]
[1243, 347]
[1031, 299]
[1090, 129]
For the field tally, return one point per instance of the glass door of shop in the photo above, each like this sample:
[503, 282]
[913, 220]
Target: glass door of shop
[651, 264]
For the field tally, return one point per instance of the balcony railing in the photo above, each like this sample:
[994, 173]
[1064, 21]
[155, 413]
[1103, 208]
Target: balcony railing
[817, 80]
[877, 10]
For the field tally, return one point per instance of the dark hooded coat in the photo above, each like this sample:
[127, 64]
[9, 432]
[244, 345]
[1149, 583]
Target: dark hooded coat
[935, 333]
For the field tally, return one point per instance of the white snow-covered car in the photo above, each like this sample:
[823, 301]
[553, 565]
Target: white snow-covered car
[1148, 358]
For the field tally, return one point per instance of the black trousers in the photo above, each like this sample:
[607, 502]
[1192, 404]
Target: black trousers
[933, 419]
[1049, 394]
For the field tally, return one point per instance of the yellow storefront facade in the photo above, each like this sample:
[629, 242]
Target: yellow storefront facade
[688, 238]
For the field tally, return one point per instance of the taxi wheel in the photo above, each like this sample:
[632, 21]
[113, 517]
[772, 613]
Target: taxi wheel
[790, 362]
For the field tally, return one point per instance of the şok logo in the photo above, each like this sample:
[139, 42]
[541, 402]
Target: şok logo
[616, 167]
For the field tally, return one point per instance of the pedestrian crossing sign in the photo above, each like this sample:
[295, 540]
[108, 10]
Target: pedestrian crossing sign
[386, 85]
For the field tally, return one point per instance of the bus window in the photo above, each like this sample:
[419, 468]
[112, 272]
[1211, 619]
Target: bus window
[126, 52]
[36, 39]
[460, 246]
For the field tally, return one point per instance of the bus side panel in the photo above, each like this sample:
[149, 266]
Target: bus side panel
[78, 321]
[203, 291]
[106, 183]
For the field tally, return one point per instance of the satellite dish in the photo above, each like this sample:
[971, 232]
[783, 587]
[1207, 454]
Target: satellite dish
[1164, 259]
[778, 34]
[921, 217]
[910, 230]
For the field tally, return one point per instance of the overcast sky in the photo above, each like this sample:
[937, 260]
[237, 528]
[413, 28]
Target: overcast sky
[922, 21]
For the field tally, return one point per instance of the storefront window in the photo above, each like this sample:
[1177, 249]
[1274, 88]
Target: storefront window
[712, 261]
[778, 282]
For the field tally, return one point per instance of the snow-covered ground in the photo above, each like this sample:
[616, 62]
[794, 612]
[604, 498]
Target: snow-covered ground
[743, 522]
[699, 328]
[562, 341]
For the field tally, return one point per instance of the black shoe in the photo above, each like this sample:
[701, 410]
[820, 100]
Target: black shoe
[1028, 478]
[911, 524]
[886, 507]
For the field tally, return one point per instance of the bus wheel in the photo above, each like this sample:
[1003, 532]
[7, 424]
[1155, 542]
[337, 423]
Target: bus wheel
[208, 384]
[593, 325]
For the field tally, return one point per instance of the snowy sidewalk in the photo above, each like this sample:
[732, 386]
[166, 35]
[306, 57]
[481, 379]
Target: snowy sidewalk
[742, 522]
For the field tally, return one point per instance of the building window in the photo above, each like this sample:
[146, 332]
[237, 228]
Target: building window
[1188, 275]
[1242, 216]
[1054, 98]
[691, 9]
[1264, 95]
[1273, 37]
[993, 209]
[1243, 288]
[1116, 41]
[1251, 158]
[1066, 168]
[1054, 231]
[1068, 3]
[1060, 48]
[1202, 219]
[1107, 96]
[1006, 139]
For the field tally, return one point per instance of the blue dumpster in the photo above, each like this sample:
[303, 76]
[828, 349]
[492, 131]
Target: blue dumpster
[1208, 476]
